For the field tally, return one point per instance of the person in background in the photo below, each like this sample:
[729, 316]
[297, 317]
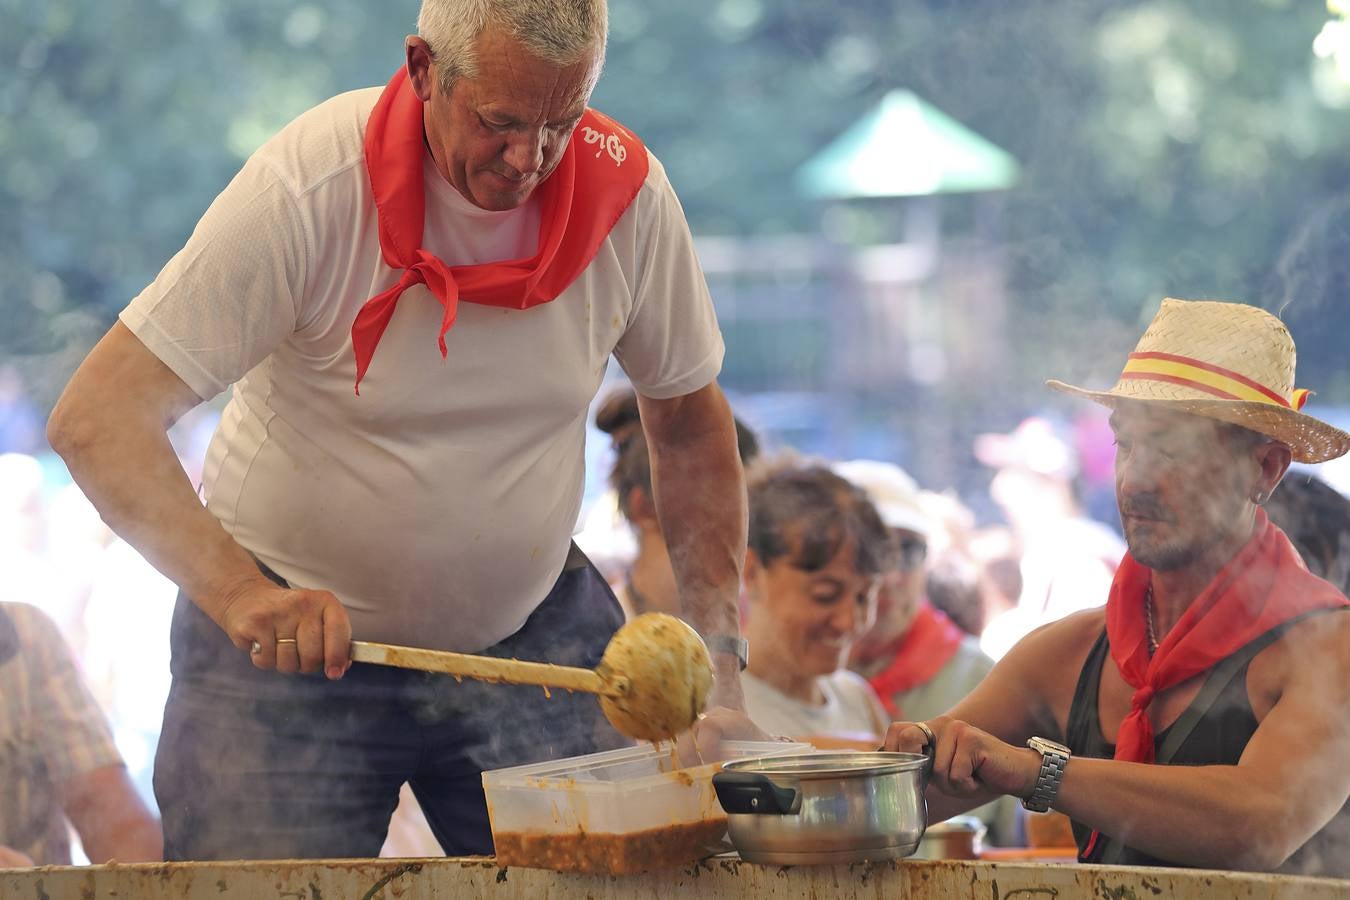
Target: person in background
[916, 659]
[817, 554]
[955, 588]
[1209, 723]
[411, 293]
[995, 553]
[648, 584]
[955, 582]
[1316, 517]
[1066, 559]
[58, 762]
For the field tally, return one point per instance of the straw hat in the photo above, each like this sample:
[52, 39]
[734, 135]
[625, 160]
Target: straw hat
[1225, 361]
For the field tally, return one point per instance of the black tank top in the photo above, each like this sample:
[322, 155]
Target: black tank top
[1218, 736]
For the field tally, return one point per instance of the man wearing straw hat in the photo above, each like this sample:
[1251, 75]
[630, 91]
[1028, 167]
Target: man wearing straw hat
[1203, 717]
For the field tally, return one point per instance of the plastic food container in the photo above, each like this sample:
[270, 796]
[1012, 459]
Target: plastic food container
[616, 812]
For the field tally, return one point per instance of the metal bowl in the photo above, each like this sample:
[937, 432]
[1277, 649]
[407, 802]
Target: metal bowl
[960, 837]
[825, 807]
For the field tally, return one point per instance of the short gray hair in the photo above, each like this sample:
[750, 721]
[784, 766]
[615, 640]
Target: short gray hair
[557, 31]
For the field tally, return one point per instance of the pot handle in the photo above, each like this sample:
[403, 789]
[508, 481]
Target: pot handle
[753, 793]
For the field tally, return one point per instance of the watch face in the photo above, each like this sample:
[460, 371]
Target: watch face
[1045, 744]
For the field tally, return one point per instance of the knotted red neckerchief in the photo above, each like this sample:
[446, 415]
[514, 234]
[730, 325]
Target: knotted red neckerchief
[602, 170]
[1264, 585]
[917, 655]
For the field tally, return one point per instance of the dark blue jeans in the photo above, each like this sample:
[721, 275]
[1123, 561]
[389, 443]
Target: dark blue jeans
[257, 765]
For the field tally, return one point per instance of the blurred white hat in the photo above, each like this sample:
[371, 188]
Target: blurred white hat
[1033, 445]
[892, 491]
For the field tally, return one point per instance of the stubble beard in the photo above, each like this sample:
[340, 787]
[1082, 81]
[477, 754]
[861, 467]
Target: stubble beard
[1162, 556]
[1171, 555]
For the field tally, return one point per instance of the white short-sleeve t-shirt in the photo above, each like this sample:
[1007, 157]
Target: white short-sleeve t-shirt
[437, 505]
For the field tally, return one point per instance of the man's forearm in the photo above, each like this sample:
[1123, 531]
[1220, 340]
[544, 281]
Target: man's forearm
[111, 819]
[1212, 816]
[703, 515]
[700, 498]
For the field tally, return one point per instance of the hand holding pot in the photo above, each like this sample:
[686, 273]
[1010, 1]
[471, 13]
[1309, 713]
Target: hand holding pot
[968, 762]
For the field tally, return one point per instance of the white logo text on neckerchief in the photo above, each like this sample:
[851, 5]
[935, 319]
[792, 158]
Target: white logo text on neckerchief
[609, 143]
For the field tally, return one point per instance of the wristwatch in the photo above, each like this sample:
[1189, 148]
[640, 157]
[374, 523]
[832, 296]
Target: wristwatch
[1054, 759]
[725, 643]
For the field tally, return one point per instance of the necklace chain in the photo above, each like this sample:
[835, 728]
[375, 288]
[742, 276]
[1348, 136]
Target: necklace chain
[1148, 619]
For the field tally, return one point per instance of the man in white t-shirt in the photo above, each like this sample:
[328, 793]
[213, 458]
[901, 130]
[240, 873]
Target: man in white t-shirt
[466, 247]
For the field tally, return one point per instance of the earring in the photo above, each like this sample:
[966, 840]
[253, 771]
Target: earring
[1260, 498]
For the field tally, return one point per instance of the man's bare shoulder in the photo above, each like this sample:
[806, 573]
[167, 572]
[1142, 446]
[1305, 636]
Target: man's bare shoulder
[1046, 664]
[1071, 636]
[1313, 654]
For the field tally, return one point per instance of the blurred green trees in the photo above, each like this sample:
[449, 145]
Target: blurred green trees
[1192, 149]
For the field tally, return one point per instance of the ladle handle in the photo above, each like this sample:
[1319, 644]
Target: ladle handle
[482, 668]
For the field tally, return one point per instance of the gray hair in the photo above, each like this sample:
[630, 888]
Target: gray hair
[557, 31]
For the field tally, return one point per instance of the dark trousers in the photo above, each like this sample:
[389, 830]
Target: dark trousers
[258, 765]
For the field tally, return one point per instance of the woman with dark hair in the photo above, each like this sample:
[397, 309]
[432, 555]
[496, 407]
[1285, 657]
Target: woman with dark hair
[649, 584]
[817, 552]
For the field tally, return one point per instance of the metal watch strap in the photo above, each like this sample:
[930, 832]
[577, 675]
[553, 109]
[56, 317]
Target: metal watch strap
[725, 643]
[1054, 759]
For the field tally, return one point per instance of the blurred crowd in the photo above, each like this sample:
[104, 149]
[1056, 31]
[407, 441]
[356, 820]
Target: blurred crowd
[867, 597]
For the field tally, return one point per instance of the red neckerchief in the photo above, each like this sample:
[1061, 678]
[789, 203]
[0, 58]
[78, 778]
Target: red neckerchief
[602, 170]
[1264, 585]
[917, 656]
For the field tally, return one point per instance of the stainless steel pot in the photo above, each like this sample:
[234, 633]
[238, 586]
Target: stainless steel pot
[825, 807]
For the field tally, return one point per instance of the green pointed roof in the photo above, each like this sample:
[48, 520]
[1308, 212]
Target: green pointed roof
[905, 147]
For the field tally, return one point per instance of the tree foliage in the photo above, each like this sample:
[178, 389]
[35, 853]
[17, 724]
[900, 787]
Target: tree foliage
[1167, 148]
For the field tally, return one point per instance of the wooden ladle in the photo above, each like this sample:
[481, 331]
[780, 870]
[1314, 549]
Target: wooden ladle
[653, 680]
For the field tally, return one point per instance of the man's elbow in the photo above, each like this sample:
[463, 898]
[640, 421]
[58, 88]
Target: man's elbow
[71, 427]
[1264, 845]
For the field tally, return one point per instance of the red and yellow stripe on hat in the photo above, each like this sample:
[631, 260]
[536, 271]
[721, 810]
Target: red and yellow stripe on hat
[1206, 378]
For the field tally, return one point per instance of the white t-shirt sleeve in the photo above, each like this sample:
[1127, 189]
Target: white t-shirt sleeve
[233, 293]
[672, 345]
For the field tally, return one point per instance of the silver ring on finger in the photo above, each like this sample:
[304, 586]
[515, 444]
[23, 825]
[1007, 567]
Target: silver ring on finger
[255, 648]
